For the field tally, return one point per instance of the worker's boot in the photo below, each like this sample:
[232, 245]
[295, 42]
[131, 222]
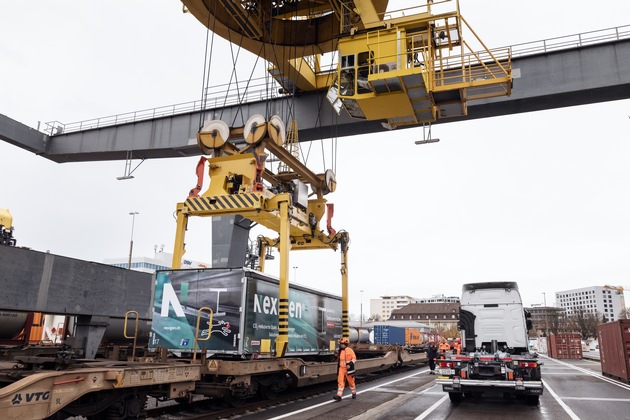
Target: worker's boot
[337, 398]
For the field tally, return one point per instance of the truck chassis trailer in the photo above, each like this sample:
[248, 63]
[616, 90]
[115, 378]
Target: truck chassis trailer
[495, 357]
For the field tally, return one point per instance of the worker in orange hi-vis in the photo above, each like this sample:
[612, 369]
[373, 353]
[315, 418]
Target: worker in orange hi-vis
[444, 347]
[345, 369]
[458, 346]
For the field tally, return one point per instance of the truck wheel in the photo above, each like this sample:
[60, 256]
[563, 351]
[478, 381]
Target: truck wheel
[456, 397]
[533, 399]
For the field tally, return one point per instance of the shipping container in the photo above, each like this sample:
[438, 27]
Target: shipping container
[244, 306]
[614, 349]
[564, 346]
[37, 329]
[413, 336]
[389, 335]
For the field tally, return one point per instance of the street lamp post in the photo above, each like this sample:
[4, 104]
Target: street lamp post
[361, 323]
[545, 313]
[133, 221]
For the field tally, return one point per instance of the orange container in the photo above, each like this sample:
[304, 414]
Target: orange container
[37, 329]
[413, 336]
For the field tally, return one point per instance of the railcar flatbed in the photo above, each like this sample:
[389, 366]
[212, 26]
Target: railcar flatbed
[89, 387]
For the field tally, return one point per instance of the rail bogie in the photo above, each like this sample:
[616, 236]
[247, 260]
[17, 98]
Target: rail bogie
[90, 388]
[267, 377]
[47, 387]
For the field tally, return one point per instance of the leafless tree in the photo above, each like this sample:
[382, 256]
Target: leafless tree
[584, 323]
[555, 321]
[451, 332]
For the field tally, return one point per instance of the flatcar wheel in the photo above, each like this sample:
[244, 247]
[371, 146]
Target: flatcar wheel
[234, 401]
[268, 392]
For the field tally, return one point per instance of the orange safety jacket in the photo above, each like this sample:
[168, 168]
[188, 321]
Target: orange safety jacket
[346, 356]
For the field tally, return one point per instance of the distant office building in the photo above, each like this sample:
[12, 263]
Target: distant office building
[160, 261]
[384, 306]
[601, 300]
[440, 299]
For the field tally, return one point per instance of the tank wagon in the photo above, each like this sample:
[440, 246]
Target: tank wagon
[407, 334]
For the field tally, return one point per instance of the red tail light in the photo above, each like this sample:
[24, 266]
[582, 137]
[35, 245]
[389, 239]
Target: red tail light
[528, 364]
[445, 364]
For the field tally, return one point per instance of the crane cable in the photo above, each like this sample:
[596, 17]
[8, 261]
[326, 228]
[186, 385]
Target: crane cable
[233, 76]
[291, 104]
[240, 98]
[268, 86]
[207, 62]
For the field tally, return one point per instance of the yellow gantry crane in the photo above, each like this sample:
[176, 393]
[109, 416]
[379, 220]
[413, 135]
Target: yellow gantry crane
[619, 291]
[240, 183]
[407, 67]
[6, 228]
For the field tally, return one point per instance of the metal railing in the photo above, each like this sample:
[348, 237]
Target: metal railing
[218, 96]
[571, 41]
[264, 88]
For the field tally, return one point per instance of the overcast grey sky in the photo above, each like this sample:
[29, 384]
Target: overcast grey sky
[538, 198]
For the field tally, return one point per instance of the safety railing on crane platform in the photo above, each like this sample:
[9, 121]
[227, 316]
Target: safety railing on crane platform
[227, 94]
[571, 41]
[470, 69]
[259, 89]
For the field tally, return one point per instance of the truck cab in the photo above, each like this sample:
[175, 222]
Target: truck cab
[492, 318]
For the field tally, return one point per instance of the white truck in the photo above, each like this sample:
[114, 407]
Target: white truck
[495, 358]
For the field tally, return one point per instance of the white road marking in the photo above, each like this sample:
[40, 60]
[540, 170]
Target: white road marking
[597, 399]
[562, 373]
[430, 409]
[397, 391]
[591, 373]
[562, 404]
[347, 396]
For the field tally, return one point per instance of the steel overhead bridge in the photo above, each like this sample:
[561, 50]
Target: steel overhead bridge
[572, 70]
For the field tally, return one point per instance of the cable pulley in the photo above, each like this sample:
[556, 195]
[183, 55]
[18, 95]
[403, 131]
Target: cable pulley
[277, 130]
[255, 129]
[212, 135]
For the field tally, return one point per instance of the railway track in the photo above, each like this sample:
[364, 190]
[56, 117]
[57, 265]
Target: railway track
[215, 409]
